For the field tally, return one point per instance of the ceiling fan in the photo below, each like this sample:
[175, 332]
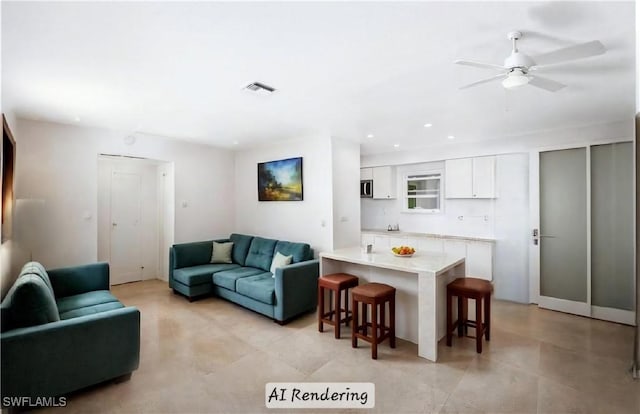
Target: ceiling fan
[517, 68]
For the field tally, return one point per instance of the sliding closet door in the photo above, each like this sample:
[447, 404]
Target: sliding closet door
[585, 242]
[563, 231]
[612, 218]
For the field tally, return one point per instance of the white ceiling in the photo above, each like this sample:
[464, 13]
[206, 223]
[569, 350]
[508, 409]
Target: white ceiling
[345, 69]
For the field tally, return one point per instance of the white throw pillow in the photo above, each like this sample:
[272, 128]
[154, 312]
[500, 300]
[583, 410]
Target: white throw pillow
[221, 252]
[279, 260]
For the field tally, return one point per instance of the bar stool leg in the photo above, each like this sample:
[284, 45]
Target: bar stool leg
[461, 316]
[354, 323]
[479, 326]
[346, 307]
[320, 308]
[449, 317]
[487, 316]
[383, 325]
[374, 329]
[364, 319]
[336, 316]
[392, 321]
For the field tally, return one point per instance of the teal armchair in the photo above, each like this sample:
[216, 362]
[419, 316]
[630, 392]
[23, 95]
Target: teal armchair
[92, 338]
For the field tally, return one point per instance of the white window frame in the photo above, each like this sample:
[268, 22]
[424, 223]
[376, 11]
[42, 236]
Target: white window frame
[406, 197]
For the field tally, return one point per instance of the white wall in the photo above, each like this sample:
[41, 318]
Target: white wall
[166, 204]
[309, 221]
[511, 228]
[58, 164]
[346, 190]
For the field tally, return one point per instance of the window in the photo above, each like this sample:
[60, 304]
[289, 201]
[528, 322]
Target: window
[423, 192]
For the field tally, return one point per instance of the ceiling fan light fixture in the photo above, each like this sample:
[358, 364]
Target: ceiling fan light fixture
[515, 79]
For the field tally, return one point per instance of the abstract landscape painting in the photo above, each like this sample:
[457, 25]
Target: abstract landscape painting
[280, 180]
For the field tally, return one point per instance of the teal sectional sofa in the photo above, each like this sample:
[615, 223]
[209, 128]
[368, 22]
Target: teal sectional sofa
[62, 330]
[247, 281]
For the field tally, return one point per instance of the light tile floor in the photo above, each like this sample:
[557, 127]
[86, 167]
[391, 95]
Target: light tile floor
[214, 356]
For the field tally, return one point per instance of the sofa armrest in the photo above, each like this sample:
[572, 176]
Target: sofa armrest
[296, 289]
[60, 357]
[74, 280]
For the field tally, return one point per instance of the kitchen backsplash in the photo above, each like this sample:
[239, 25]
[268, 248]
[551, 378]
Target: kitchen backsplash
[461, 217]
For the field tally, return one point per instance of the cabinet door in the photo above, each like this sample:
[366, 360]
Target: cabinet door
[479, 262]
[384, 182]
[455, 247]
[367, 239]
[458, 178]
[426, 244]
[484, 177]
[397, 241]
[366, 173]
[380, 243]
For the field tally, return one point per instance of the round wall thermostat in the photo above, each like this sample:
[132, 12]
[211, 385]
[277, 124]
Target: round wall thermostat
[130, 139]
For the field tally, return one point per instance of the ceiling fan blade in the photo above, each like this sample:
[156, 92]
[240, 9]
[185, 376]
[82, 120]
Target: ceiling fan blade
[478, 64]
[493, 78]
[566, 54]
[544, 83]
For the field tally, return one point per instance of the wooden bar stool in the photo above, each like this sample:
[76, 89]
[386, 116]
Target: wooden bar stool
[469, 288]
[377, 295]
[336, 283]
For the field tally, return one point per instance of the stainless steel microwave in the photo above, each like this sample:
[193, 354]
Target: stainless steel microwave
[366, 188]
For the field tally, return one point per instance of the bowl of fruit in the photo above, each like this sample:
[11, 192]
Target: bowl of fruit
[403, 251]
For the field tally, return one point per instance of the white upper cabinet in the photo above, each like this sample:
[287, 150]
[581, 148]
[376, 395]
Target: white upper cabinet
[484, 177]
[384, 182]
[470, 177]
[366, 173]
[458, 178]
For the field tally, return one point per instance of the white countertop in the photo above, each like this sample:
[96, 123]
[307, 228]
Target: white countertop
[420, 262]
[437, 236]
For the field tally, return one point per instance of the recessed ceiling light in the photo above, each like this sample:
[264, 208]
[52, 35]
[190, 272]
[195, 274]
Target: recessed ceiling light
[450, 137]
[428, 125]
[396, 145]
[369, 135]
[77, 119]
[235, 142]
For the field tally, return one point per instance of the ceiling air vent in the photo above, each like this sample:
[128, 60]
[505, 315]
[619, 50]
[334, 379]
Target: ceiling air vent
[260, 88]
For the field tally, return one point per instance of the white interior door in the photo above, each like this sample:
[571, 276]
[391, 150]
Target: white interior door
[582, 242]
[125, 243]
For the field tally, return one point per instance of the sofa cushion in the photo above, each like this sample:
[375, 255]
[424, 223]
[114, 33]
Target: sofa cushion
[90, 310]
[29, 302]
[279, 260]
[227, 279]
[300, 251]
[261, 253]
[83, 300]
[37, 269]
[259, 287]
[197, 275]
[221, 252]
[241, 243]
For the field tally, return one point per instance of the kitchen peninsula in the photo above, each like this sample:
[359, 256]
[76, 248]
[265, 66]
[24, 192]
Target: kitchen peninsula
[420, 283]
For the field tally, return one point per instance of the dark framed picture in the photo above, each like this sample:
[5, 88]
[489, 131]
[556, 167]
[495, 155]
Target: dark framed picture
[280, 180]
[8, 162]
